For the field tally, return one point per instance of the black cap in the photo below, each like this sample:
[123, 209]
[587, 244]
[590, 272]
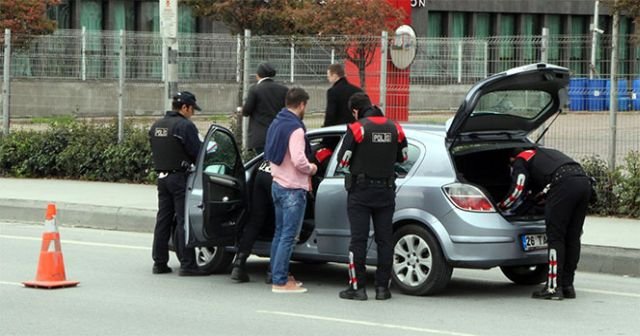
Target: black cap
[187, 98]
[266, 70]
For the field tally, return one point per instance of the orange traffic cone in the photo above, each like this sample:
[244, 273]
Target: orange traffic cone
[51, 265]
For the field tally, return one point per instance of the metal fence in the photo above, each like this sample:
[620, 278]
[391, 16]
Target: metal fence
[443, 69]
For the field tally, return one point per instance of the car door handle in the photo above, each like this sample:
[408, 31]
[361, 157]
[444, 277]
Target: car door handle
[222, 181]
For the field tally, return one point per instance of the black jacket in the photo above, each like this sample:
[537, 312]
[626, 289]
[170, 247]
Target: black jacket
[263, 103]
[338, 95]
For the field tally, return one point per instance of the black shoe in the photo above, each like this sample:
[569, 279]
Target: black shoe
[383, 293]
[359, 294]
[269, 278]
[160, 269]
[191, 272]
[239, 274]
[569, 292]
[547, 294]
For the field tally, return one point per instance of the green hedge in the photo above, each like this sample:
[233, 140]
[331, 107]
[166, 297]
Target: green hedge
[78, 150]
[618, 190]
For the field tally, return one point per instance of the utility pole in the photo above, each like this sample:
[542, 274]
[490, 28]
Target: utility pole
[594, 40]
[6, 80]
[169, 32]
[613, 106]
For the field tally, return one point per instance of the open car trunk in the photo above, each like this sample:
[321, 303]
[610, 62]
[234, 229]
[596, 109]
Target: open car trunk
[489, 169]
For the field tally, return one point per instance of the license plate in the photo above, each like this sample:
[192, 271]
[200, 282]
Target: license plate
[531, 242]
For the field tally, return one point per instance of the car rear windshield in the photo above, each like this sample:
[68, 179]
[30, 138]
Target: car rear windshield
[527, 104]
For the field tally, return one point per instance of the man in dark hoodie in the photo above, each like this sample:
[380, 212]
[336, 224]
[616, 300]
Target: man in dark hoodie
[371, 147]
[263, 102]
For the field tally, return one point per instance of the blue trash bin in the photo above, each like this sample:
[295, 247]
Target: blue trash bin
[635, 95]
[578, 88]
[623, 95]
[596, 99]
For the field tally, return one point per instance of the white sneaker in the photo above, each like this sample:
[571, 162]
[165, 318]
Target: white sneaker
[289, 287]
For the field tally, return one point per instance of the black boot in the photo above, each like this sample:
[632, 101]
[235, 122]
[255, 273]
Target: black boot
[383, 293]
[569, 292]
[239, 273]
[547, 293]
[359, 294]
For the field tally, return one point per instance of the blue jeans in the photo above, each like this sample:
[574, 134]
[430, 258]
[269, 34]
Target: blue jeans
[289, 207]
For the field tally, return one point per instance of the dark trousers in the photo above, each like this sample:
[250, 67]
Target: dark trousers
[366, 203]
[171, 193]
[260, 213]
[565, 210]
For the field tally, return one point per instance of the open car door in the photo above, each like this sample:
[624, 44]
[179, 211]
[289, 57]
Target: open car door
[216, 195]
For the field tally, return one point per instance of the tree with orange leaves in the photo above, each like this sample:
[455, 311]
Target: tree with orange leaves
[355, 24]
[25, 18]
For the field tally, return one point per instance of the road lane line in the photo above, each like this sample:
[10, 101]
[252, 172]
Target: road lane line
[597, 291]
[76, 242]
[365, 323]
[11, 283]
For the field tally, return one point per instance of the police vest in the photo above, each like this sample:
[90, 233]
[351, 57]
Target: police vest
[544, 163]
[167, 150]
[377, 147]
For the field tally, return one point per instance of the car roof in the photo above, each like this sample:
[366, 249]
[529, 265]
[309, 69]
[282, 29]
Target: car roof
[406, 126]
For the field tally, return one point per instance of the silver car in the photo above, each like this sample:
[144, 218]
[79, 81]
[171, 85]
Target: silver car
[446, 198]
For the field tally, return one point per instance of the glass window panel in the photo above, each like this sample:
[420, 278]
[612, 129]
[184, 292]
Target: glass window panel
[458, 25]
[527, 104]
[483, 25]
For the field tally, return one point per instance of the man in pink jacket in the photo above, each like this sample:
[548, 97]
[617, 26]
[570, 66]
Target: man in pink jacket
[287, 149]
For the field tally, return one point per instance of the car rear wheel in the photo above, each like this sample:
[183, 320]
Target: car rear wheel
[526, 275]
[419, 267]
[213, 259]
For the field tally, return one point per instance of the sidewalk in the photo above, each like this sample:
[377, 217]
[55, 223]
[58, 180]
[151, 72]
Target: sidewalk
[609, 245]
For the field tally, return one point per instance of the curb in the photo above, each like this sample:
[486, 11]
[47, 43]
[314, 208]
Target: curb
[610, 260]
[80, 215]
[593, 258]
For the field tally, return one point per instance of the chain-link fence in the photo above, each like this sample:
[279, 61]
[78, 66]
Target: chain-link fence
[77, 72]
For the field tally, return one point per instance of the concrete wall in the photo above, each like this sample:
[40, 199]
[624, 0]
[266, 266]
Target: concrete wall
[39, 98]
[574, 7]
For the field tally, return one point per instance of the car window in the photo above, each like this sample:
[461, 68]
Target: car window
[402, 169]
[221, 155]
[527, 104]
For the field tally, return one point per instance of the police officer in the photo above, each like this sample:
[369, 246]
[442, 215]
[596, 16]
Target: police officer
[174, 146]
[565, 189]
[371, 147]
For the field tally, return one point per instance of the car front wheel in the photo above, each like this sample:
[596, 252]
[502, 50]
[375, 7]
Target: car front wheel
[526, 275]
[213, 259]
[419, 267]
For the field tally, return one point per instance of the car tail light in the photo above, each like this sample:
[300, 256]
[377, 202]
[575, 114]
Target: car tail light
[468, 198]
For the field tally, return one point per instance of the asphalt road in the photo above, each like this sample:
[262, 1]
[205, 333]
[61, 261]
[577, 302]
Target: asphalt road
[118, 295]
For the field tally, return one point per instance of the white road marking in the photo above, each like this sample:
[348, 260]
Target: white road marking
[11, 283]
[76, 242]
[597, 291]
[365, 323]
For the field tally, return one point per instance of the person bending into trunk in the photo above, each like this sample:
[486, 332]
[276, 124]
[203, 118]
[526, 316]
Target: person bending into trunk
[565, 188]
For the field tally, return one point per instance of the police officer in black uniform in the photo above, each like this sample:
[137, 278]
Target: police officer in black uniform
[565, 188]
[371, 147]
[174, 145]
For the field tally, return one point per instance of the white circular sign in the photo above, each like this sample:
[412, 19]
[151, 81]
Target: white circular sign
[403, 48]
